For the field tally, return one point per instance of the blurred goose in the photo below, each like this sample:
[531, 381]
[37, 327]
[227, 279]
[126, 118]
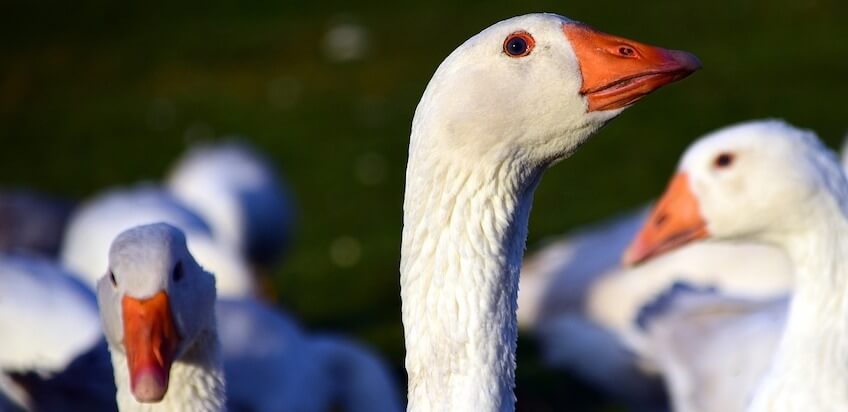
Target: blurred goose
[96, 223]
[509, 102]
[52, 353]
[270, 364]
[157, 306]
[770, 182]
[610, 353]
[237, 191]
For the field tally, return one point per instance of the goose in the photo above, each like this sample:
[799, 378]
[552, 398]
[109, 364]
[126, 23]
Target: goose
[96, 223]
[269, 362]
[237, 191]
[258, 374]
[509, 102]
[157, 307]
[48, 362]
[604, 304]
[582, 272]
[773, 183]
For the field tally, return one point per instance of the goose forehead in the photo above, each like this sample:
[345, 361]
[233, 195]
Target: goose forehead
[143, 257]
[535, 24]
[766, 139]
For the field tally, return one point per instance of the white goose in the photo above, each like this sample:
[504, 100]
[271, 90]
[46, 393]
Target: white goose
[504, 106]
[258, 372]
[52, 353]
[97, 222]
[776, 184]
[157, 306]
[603, 305]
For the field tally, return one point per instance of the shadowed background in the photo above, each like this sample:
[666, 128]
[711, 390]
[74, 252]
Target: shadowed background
[96, 95]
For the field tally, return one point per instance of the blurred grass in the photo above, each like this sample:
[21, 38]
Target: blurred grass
[99, 94]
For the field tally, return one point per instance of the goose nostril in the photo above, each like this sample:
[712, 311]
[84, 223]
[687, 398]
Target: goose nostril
[660, 220]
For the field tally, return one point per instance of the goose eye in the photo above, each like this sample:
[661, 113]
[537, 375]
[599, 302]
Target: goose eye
[518, 44]
[626, 51]
[723, 160]
[178, 271]
[112, 278]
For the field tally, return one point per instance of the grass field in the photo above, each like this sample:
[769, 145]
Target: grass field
[94, 95]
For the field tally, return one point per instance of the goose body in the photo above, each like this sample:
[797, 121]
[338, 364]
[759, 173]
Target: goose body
[504, 106]
[97, 222]
[770, 182]
[49, 361]
[271, 364]
[157, 309]
[713, 349]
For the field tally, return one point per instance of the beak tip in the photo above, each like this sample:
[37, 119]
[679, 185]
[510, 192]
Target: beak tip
[149, 385]
[630, 258]
[688, 61]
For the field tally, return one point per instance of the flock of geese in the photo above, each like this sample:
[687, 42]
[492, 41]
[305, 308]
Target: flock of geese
[152, 299]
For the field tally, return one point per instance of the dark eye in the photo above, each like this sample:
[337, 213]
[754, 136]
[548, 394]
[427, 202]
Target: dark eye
[518, 44]
[178, 271]
[626, 51]
[112, 278]
[723, 160]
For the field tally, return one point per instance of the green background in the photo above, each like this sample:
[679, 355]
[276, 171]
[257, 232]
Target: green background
[94, 95]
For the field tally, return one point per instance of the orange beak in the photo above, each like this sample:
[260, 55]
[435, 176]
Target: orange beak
[617, 72]
[151, 340]
[675, 221]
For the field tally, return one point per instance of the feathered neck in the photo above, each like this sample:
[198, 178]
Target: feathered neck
[196, 382]
[810, 368]
[465, 227]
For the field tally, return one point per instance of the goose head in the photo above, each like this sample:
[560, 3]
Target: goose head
[535, 87]
[154, 302]
[762, 180]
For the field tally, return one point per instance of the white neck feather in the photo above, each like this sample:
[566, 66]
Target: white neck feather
[810, 369]
[196, 382]
[465, 227]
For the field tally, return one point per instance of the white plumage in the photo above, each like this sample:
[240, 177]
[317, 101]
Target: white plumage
[49, 321]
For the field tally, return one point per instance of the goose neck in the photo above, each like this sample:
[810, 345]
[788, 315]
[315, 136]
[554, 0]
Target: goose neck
[465, 227]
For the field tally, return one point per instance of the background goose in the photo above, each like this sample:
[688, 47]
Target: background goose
[157, 308]
[48, 362]
[96, 223]
[506, 104]
[773, 183]
[577, 285]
